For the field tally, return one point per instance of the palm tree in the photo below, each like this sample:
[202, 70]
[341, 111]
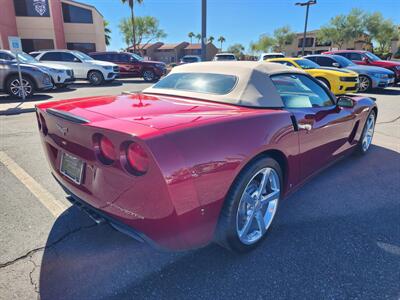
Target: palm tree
[191, 35]
[221, 39]
[107, 32]
[131, 4]
[198, 37]
[211, 39]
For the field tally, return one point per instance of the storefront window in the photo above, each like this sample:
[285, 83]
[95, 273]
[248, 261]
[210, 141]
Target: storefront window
[83, 47]
[29, 45]
[75, 14]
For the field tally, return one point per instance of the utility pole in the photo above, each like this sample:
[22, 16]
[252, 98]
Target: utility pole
[308, 3]
[203, 30]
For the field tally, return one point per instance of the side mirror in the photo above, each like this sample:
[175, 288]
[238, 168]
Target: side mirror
[77, 60]
[346, 102]
[336, 65]
[365, 59]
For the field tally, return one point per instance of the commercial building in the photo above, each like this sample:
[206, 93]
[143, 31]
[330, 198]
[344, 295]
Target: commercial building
[172, 53]
[52, 24]
[313, 46]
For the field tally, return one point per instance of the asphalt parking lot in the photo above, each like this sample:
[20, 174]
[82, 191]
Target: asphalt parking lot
[336, 238]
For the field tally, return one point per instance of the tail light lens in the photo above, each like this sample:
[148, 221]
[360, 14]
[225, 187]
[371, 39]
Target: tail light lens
[137, 159]
[104, 149]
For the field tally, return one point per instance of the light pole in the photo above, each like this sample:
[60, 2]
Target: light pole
[308, 3]
[203, 29]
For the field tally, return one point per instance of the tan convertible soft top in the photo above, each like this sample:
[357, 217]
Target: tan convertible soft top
[254, 86]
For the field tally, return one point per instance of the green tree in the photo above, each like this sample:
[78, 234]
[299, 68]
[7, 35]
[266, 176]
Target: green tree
[222, 40]
[211, 39]
[131, 4]
[236, 49]
[198, 37]
[107, 33]
[146, 30]
[264, 44]
[343, 28]
[191, 35]
[283, 36]
[380, 30]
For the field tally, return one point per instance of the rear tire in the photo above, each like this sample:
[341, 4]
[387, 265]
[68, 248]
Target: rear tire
[149, 76]
[250, 206]
[95, 77]
[14, 89]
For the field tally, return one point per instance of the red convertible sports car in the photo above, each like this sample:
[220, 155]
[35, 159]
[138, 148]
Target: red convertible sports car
[205, 154]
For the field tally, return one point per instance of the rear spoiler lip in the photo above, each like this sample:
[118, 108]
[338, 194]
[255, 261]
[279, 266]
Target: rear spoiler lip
[67, 116]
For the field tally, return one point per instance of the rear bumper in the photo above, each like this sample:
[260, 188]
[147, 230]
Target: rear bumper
[100, 216]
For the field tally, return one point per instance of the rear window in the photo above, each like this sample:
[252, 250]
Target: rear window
[190, 59]
[210, 83]
[225, 57]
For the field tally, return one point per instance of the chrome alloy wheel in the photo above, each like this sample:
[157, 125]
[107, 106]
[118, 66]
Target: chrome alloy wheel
[363, 84]
[148, 75]
[16, 87]
[257, 206]
[369, 132]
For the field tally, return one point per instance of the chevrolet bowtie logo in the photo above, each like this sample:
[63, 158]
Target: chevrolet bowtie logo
[63, 130]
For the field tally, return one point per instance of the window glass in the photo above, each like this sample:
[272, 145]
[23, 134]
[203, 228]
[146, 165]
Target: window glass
[83, 47]
[51, 56]
[82, 56]
[300, 91]
[372, 56]
[343, 61]
[6, 56]
[325, 61]
[307, 64]
[75, 14]
[30, 8]
[284, 62]
[68, 57]
[219, 84]
[355, 56]
[29, 45]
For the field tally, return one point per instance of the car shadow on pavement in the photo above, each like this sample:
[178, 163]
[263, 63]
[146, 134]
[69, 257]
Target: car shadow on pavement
[86, 84]
[37, 97]
[337, 237]
[391, 91]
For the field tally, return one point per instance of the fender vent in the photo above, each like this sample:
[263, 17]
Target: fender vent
[353, 132]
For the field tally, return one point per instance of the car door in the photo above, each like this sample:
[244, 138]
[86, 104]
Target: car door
[124, 63]
[65, 59]
[324, 128]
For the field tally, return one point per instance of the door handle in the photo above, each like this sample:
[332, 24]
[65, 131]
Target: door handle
[306, 127]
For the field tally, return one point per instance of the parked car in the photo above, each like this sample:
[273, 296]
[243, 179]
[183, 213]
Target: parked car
[338, 81]
[224, 56]
[60, 75]
[367, 58]
[369, 76]
[34, 79]
[132, 65]
[84, 67]
[188, 59]
[206, 154]
[270, 55]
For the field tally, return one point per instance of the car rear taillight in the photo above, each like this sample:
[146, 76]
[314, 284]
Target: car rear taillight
[104, 149]
[43, 125]
[137, 160]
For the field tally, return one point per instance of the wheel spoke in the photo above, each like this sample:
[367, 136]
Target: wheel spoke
[270, 197]
[247, 224]
[263, 183]
[260, 222]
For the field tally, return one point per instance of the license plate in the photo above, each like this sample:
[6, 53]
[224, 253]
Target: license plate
[72, 167]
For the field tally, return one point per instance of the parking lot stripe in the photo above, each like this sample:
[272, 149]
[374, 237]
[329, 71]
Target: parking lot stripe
[54, 206]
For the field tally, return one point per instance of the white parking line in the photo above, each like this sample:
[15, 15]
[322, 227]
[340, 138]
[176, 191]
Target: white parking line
[54, 206]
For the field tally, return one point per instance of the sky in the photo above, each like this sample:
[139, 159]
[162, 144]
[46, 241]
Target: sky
[238, 21]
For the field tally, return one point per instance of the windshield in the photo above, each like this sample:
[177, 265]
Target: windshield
[225, 57]
[137, 57]
[307, 64]
[343, 61]
[82, 56]
[372, 56]
[26, 58]
[190, 59]
[210, 83]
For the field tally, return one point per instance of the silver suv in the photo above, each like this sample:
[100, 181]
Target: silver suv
[33, 79]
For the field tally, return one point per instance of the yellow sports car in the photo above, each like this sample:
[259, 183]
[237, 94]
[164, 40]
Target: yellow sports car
[339, 81]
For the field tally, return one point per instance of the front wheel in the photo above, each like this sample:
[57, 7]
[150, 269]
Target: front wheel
[364, 83]
[367, 134]
[95, 77]
[14, 87]
[250, 206]
[149, 76]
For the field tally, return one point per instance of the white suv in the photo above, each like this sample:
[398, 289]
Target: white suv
[84, 66]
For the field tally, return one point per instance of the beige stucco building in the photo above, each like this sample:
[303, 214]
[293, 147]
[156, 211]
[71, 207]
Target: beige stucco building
[52, 24]
[312, 45]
